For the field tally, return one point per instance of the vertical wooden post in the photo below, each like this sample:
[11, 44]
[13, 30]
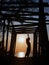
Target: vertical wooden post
[3, 36]
[43, 39]
[35, 45]
[7, 35]
[13, 42]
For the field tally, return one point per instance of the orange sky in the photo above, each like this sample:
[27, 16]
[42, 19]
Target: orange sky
[21, 46]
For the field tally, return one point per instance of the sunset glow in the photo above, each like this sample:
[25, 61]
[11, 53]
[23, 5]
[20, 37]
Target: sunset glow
[21, 45]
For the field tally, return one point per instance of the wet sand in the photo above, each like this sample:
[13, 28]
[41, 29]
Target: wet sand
[22, 61]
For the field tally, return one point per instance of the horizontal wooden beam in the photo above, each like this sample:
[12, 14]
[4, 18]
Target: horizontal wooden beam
[26, 3]
[23, 14]
[23, 5]
[22, 25]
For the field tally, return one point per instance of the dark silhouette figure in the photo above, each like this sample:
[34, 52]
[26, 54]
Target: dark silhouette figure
[28, 47]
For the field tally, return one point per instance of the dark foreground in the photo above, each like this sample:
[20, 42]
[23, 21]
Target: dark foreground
[23, 61]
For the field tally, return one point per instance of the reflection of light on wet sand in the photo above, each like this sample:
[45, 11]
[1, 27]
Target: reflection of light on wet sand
[20, 54]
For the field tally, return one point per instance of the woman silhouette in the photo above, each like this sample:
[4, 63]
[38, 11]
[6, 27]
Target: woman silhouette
[28, 47]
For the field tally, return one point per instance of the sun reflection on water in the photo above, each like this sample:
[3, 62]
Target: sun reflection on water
[20, 54]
